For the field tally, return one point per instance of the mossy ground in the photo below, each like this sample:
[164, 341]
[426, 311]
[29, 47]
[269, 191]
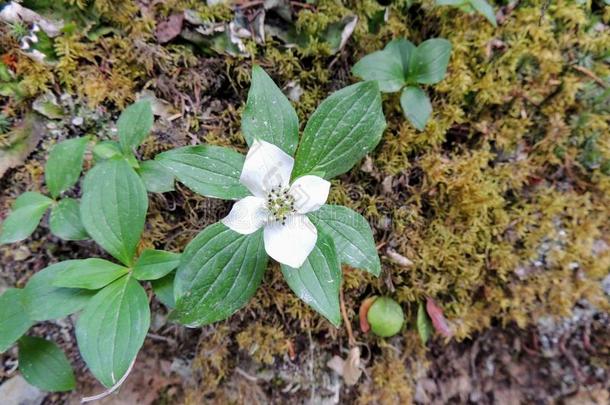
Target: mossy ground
[502, 203]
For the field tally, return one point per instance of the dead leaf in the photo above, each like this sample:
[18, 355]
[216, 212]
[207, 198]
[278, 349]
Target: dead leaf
[161, 108]
[350, 368]
[15, 13]
[364, 310]
[47, 105]
[170, 28]
[21, 142]
[398, 258]
[438, 318]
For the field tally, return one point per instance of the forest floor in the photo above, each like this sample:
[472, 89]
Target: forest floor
[498, 210]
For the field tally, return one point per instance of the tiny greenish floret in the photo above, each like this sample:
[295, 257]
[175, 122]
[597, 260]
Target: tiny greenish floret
[280, 204]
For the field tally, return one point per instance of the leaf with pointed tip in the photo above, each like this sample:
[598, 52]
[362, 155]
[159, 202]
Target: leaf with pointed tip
[27, 212]
[351, 234]
[219, 272]
[64, 165]
[113, 208]
[14, 321]
[416, 106]
[45, 365]
[44, 301]
[389, 67]
[90, 274]
[134, 124]
[65, 221]
[424, 325]
[428, 64]
[342, 130]
[318, 280]
[483, 8]
[112, 329]
[154, 264]
[211, 171]
[268, 115]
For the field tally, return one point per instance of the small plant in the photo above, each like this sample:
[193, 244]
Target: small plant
[471, 6]
[222, 267]
[115, 313]
[281, 210]
[402, 65]
[62, 172]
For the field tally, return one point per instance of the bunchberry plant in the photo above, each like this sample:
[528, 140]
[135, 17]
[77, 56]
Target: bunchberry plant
[114, 311]
[471, 6]
[281, 211]
[62, 171]
[403, 66]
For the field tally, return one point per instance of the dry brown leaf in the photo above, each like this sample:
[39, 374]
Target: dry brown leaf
[363, 312]
[438, 318]
[170, 28]
[350, 368]
[398, 258]
[21, 142]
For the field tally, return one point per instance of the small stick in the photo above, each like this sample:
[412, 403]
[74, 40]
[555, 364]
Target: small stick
[592, 75]
[350, 335]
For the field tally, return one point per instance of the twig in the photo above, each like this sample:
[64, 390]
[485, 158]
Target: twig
[246, 375]
[592, 75]
[348, 326]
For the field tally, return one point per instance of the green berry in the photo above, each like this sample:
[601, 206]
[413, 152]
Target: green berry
[385, 317]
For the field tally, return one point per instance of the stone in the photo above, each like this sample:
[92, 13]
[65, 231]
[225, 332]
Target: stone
[17, 391]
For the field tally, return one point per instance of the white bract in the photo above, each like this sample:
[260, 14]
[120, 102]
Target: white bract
[277, 205]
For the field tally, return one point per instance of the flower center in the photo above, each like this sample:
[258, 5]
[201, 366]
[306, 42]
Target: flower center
[280, 204]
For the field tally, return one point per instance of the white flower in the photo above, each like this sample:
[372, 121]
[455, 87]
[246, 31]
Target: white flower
[277, 205]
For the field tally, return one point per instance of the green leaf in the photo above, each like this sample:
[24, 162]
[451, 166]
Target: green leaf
[44, 301]
[154, 264]
[156, 177]
[90, 274]
[164, 289]
[268, 115]
[14, 321]
[483, 8]
[404, 50]
[416, 106]
[424, 325]
[112, 328]
[318, 280]
[135, 124]
[429, 62]
[344, 128]
[45, 365]
[211, 171]
[65, 220]
[64, 165]
[388, 67]
[219, 272]
[351, 234]
[106, 150]
[27, 212]
[113, 208]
